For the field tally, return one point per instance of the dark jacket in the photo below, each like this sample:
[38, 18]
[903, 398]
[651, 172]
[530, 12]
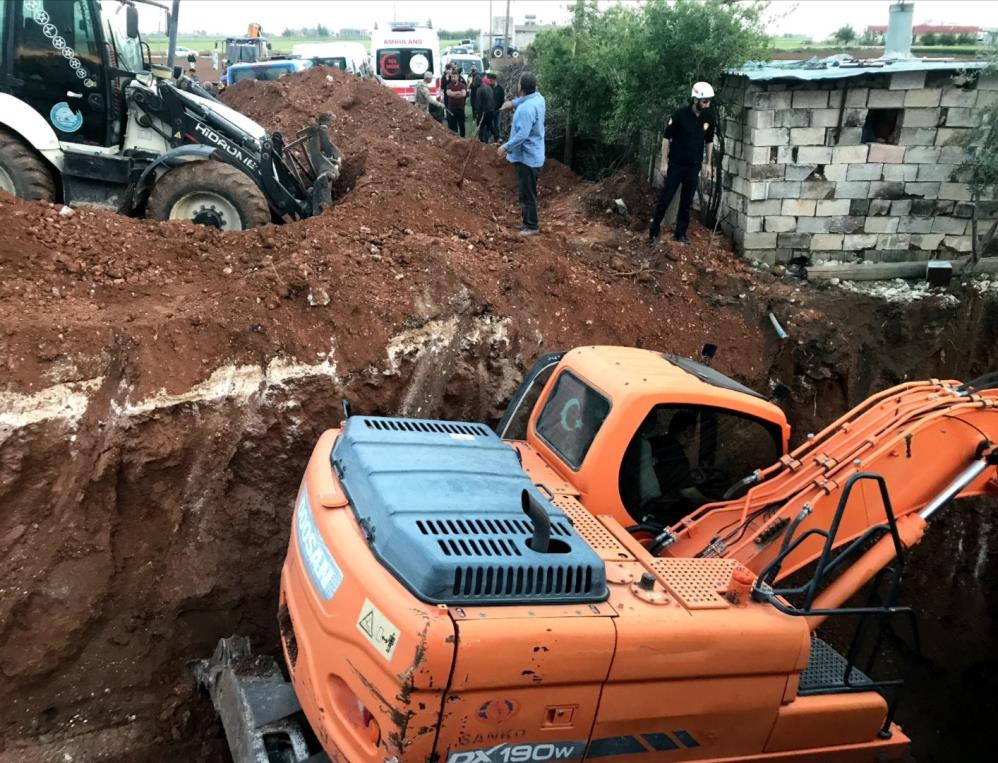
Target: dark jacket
[499, 94]
[484, 102]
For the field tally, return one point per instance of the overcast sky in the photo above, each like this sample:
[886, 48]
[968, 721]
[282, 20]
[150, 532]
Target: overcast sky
[814, 18]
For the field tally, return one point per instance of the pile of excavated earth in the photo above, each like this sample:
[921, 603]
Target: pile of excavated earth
[161, 386]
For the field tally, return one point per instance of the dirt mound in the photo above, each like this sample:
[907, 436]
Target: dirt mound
[163, 384]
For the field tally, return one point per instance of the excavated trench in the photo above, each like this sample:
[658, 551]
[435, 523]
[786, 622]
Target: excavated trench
[163, 387]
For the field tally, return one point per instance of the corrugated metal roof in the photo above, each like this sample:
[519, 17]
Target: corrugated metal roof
[840, 67]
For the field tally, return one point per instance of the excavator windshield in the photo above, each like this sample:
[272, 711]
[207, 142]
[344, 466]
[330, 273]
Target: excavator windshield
[684, 456]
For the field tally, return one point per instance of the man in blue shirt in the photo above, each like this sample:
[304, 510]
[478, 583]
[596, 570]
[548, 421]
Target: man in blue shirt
[525, 147]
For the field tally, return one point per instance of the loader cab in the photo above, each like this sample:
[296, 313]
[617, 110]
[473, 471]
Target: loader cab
[645, 436]
[69, 61]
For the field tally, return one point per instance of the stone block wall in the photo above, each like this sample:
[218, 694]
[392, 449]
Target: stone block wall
[799, 180]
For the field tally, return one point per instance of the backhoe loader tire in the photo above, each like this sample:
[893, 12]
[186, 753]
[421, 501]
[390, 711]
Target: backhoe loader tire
[22, 172]
[210, 193]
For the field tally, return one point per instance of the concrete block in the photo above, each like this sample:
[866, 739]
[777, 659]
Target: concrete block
[817, 189]
[798, 207]
[887, 189]
[794, 240]
[850, 154]
[915, 225]
[917, 136]
[853, 117]
[848, 136]
[898, 241]
[923, 190]
[799, 171]
[859, 207]
[986, 98]
[780, 224]
[900, 171]
[832, 208]
[856, 97]
[807, 136]
[921, 117]
[949, 225]
[834, 99]
[770, 100]
[810, 99]
[987, 210]
[826, 241]
[957, 243]
[881, 225]
[865, 171]
[857, 241]
[814, 155]
[885, 153]
[941, 172]
[837, 172]
[922, 98]
[927, 241]
[772, 136]
[954, 136]
[885, 99]
[964, 209]
[913, 80]
[751, 224]
[760, 118]
[901, 207]
[792, 118]
[814, 224]
[956, 117]
[858, 189]
[988, 81]
[954, 154]
[783, 190]
[822, 118]
[785, 154]
[763, 208]
[923, 207]
[759, 241]
[879, 207]
[765, 171]
[847, 225]
[921, 155]
[944, 207]
[959, 98]
[954, 191]
[756, 190]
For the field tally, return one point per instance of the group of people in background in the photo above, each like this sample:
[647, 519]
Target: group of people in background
[484, 93]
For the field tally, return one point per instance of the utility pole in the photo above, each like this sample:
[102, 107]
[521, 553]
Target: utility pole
[173, 24]
[489, 31]
[506, 36]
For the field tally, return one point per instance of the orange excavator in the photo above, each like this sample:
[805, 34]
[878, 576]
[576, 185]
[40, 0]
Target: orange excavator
[633, 567]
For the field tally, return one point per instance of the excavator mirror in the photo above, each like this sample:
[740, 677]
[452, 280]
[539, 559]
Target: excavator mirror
[132, 22]
[707, 353]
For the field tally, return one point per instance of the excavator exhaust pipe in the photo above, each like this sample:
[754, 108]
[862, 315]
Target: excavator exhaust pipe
[533, 508]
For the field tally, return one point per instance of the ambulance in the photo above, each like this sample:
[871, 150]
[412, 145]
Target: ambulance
[402, 54]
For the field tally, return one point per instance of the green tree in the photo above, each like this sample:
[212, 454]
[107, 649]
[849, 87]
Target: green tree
[929, 38]
[288, 33]
[947, 39]
[844, 35]
[321, 30]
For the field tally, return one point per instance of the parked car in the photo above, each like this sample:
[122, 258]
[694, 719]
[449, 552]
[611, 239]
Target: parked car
[350, 57]
[180, 52]
[265, 70]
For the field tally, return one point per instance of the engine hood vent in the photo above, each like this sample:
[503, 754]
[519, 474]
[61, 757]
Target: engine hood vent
[440, 502]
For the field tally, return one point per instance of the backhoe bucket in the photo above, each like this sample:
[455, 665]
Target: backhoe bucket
[315, 162]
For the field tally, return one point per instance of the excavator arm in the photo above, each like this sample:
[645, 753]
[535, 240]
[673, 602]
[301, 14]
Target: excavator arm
[860, 491]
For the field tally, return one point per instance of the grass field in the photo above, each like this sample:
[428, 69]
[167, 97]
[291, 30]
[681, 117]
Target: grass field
[202, 44]
[804, 45]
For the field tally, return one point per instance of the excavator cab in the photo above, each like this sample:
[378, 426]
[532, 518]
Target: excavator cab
[652, 444]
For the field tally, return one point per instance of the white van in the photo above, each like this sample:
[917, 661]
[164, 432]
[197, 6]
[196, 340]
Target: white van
[466, 63]
[348, 56]
[401, 56]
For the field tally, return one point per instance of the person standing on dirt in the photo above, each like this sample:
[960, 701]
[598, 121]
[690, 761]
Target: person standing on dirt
[688, 130]
[498, 97]
[525, 147]
[457, 94]
[214, 60]
[474, 83]
[424, 100]
[485, 105]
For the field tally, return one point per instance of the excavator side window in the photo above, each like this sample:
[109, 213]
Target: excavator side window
[571, 418]
[682, 457]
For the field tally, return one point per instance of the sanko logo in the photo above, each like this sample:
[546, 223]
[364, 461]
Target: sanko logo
[520, 753]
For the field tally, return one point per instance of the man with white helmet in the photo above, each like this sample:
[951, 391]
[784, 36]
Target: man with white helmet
[686, 133]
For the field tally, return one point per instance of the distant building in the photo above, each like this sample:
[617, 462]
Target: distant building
[347, 33]
[522, 34]
[920, 30]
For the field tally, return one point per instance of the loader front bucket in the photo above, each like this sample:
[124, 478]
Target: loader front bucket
[315, 162]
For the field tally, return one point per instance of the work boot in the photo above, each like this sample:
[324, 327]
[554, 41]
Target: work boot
[681, 239]
[529, 231]
[652, 239]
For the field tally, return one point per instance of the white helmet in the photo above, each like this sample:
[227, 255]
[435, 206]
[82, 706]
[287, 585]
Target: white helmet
[703, 90]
